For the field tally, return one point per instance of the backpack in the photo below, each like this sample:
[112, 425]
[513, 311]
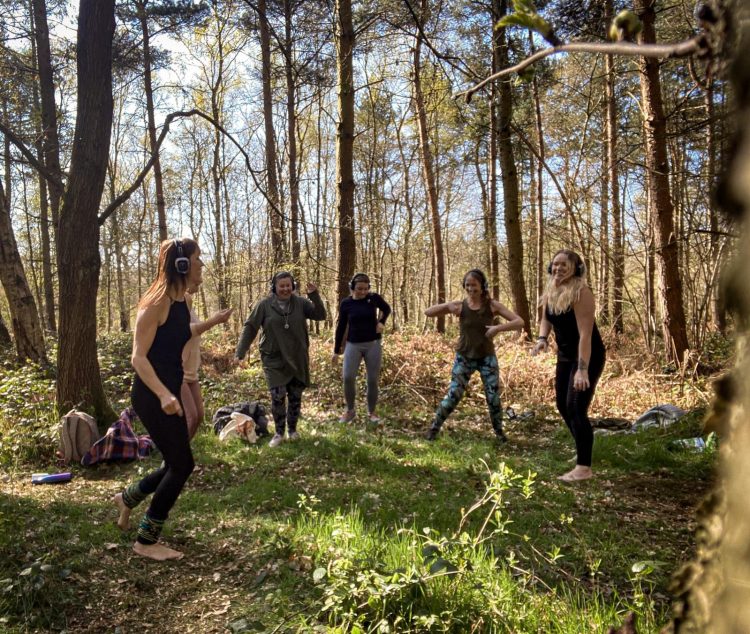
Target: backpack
[78, 433]
[253, 409]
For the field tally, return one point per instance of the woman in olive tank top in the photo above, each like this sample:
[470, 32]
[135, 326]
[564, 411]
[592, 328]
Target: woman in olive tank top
[475, 350]
[568, 306]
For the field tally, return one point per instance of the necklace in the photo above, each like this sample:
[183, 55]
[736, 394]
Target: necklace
[288, 310]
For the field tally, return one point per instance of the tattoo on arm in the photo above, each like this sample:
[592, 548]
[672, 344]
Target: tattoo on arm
[582, 365]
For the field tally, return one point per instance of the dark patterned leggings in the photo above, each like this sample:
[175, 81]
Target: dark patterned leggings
[462, 370]
[284, 414]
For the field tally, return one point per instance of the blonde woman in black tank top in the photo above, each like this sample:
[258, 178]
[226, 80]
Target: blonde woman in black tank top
[475, 350]
[568, 311]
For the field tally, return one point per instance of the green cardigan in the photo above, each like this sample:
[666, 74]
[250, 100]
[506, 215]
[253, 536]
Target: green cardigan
[283, 351]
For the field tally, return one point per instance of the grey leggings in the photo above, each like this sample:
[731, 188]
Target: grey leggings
[353, 354]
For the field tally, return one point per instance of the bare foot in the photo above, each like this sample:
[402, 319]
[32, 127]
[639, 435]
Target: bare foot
[123, 521]
[579, 472]
[157, 551]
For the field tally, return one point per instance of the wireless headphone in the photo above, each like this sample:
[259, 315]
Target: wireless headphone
[181, 263]
[282, 274]
[580, 266]
[482, 278]
[359, 277]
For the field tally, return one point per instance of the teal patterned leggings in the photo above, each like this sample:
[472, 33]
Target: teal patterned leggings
[462, 370]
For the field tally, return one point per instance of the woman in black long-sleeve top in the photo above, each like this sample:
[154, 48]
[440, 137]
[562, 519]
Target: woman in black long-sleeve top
[361, 321]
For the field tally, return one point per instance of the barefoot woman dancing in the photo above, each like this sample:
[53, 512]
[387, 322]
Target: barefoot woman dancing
[161, 331]
[568, 305]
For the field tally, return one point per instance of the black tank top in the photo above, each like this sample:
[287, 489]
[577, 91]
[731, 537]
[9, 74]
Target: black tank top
[165, 353]
[567, 337]
[474, 342]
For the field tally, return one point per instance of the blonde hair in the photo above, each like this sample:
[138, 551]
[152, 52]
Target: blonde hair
[167, 276]
[559, 299]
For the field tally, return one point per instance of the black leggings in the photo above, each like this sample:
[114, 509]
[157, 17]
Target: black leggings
[170, 433]
[573, 405]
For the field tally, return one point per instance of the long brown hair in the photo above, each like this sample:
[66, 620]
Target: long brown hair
[167, 276]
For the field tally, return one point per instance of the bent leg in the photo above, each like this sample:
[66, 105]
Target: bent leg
[460, 375]
[278, 408]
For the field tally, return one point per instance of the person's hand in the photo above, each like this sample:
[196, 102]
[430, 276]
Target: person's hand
[492, 331]
[311, 288]
[379, 327]
[335, 358]
[221, 316]
[581, 380]
[170, 405]
[540, 346]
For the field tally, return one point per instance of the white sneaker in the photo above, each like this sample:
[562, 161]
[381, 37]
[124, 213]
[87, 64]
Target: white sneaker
[276, 440]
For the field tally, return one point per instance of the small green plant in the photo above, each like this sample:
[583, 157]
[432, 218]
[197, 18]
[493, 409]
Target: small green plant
[27, 594]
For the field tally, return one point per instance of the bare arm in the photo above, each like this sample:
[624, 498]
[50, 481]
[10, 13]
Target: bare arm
[219, 317]
[514, 322]
[584, 312]
[146, 324]
[449, 308]
[545, 328]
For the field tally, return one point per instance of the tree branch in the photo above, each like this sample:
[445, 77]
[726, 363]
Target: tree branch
[54, 179]
[125, 195]
[680, 49]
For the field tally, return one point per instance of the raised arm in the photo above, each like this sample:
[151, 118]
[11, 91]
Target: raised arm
[219, 317]
[146, 323]
[313, 308]
[449, 308]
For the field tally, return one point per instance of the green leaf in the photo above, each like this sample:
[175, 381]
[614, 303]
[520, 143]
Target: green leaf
[442, 565]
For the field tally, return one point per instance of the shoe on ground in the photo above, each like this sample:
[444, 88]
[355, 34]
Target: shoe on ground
[501, 438]
[276, 440]
[373, 418]
[432, 433]
[293, 436]
[347, 416]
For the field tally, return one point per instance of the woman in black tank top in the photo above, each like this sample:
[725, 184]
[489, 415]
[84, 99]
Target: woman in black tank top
[161, 331]
[568, 306]
[475, 351]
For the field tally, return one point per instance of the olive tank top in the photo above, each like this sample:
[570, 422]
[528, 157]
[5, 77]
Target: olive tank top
[473, 342]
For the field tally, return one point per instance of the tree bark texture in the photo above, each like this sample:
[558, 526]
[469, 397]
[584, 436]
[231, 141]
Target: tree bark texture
[27, 329]
[161, 212]
[428, 173]
[79, 383]
[272, 178]
[657, 164]
[510, 176]
[347, 247]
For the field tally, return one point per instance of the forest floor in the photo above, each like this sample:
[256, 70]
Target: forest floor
[245, 516]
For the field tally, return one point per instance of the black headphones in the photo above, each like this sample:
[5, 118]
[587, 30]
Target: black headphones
[580, 266]
[359, 277]
[482, 278]
[181, 263]
[282, 274]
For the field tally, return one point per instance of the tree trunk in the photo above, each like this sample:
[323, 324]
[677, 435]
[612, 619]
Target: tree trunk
[50, 140]
[47, 278]
[148, 89]
[291, 114]
[428, 170]
[27, 329]
[79, 383]
[491, 222]
[272, 178]
[655, 132]
[541, 269]
[347, 246]
[5, 340]
[509, 174]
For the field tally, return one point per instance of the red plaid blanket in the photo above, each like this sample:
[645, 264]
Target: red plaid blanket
[120, 442]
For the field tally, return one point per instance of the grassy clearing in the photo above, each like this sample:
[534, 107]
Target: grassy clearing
[358, 528]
